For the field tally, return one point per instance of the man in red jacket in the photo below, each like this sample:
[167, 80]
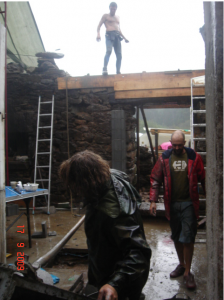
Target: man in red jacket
[179, 169]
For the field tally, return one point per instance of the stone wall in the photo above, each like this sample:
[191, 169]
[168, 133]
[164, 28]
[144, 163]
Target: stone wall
[89, 123]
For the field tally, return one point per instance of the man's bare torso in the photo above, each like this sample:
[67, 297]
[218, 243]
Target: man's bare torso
[111, 22]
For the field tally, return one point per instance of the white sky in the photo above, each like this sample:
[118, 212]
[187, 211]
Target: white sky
[163, 35]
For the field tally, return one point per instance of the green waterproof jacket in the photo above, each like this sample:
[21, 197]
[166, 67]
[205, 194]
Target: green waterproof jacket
[118, 252]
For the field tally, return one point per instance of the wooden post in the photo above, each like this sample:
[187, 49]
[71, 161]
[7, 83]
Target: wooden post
[138, 152]
[2, 145]
[148, 134]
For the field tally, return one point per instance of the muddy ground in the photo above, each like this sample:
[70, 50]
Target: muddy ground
[159, 285]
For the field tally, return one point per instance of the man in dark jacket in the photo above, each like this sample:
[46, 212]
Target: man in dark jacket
[179, 169]
[119, 256]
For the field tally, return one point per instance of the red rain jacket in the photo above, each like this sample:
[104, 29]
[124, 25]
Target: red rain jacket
[161, 174]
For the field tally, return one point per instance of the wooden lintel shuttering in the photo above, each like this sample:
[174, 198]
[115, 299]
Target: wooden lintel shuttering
[142, 87]
[162, 93]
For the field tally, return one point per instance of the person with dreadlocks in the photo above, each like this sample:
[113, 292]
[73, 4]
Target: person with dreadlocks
[119, 256]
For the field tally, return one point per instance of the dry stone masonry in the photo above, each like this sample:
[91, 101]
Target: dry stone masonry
[89, 122]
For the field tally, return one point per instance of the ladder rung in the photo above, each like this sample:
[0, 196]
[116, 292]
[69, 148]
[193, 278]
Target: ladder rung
[43, 152]
[45, 127]
[199, 125]
[43, 140]
[202, 153]
[43, 166]
[199, 111]
[43, 115]
[202, 199]
[42, 179]
[47, 102]
[199, 139]
[194, 97]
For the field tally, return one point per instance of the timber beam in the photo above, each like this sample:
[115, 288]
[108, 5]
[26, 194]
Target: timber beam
[152, 80]
[150, 103]
[142, 87]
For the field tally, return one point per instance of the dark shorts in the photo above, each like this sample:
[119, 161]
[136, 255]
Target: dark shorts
[183, 222]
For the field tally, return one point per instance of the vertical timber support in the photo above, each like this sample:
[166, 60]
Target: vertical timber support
[148, 134]
[156, 143]
[213, 14]
[118, 129]
[2, 145]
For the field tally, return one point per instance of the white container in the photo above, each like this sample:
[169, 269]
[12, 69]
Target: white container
[13, 184]
[30, 187]
[19, 187]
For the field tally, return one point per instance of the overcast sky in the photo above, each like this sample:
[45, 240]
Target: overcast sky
[163, 35]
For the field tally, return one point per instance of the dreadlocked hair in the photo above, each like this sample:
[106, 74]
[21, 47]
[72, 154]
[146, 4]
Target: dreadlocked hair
[85, 173]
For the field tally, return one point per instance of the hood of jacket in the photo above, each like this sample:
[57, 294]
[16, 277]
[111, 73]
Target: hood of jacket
[122, 200]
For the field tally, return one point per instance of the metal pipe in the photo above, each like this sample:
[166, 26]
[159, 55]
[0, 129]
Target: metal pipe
[148, 134]
[53, 252]
[138, 152]
[27, 202]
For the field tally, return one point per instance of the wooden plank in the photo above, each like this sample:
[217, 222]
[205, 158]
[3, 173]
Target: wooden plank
[164, 105]
[108, 81]
[170, 131]
[163, 83]
[158, 93]
[200, 241]
[152, 103]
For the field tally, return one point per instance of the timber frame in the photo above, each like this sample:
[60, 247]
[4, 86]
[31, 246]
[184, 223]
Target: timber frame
[152, 90]
[144, 90]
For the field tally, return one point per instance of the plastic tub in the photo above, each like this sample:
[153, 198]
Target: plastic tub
[30, 187]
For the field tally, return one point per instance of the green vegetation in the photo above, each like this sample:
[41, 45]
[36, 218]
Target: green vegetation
[176, 118]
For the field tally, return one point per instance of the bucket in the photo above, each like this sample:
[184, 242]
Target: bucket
[186, 297]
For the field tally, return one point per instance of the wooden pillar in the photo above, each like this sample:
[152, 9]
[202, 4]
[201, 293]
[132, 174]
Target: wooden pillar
[2, 146]
[214, 146]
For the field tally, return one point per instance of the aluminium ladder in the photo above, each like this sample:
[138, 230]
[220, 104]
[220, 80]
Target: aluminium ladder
[193, 112]
[46, 155]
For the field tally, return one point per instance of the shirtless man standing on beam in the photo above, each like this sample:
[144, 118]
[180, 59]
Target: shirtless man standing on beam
[114, 36]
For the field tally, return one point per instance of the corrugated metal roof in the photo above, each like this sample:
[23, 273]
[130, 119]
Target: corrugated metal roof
[23, 37]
